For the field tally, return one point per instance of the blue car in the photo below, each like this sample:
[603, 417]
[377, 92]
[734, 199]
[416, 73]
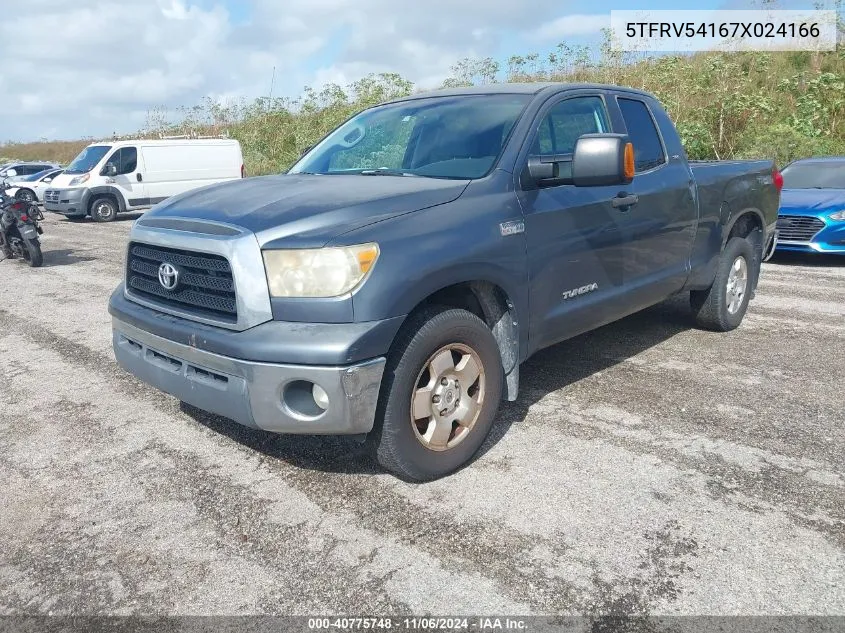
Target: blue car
[811, 218]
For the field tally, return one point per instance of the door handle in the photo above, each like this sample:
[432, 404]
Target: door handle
[623, 202]
[139, 177]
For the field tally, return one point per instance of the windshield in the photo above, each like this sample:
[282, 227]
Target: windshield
[440, 137]
[815, 175]
[87, 159]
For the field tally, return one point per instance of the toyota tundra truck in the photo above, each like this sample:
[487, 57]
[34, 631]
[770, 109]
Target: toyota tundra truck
[390, 284]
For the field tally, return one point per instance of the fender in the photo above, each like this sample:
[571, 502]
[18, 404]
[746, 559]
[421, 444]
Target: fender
[100, 190]
[27, 232]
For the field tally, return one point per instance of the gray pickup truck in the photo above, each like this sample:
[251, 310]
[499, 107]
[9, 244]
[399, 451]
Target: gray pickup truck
[392, 282]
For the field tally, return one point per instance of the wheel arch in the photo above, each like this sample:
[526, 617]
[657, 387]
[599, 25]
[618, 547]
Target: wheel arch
[20, 189]
[106, 191]
[748, 223]
[492, 304]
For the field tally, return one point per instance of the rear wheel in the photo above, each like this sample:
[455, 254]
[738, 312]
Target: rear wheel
[722, 306]
[440, 393]
[103, 210]
[32, 253]
[26, 195]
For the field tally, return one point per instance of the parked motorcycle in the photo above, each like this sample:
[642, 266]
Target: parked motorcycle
[19, 228]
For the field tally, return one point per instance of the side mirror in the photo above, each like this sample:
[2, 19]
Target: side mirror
[541, 168]
[110, 170]
[11, 173]
[48, 180]
[602, 159]
[598, 159]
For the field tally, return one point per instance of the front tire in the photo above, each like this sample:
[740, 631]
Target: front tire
[103, 210]
[722, 306]
[439, 396]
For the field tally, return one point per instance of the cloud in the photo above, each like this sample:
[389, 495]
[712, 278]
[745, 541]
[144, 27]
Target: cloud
[101, 65]
[571, 26]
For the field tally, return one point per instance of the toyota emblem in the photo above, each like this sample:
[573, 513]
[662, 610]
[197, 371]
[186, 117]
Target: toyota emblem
[168, 276]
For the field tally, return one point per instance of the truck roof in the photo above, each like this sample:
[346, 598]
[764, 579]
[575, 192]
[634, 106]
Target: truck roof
[518, 88]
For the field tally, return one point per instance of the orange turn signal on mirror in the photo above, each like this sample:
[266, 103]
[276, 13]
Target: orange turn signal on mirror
[629, 161]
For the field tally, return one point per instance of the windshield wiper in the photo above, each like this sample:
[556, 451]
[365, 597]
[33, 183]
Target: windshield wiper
[383, 171]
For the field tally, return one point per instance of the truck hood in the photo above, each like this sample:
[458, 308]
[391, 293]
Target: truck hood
[812, 201]
[307, 210]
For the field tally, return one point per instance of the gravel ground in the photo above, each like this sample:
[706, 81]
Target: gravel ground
[646, 468]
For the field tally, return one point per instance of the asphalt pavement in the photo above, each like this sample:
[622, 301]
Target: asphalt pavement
[647, 468]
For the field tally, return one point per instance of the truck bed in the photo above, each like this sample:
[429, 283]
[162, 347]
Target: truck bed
[737, 183]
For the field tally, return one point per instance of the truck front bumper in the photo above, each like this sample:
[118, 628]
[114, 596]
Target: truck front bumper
[69, 202]
[272, 397]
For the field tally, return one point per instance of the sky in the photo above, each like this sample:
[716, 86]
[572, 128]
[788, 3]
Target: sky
[91, 68]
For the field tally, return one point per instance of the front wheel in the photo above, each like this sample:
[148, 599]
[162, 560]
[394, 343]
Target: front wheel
[103, 210]
[440, 394]
[32, 253]
[722, 306]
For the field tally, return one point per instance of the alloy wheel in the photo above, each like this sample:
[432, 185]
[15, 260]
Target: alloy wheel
[737, 284]
[448, 397]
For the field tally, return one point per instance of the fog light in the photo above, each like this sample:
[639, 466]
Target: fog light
[320, 397]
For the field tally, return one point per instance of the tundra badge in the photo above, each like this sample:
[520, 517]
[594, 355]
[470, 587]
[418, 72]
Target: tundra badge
[512, 228]
[577, 292]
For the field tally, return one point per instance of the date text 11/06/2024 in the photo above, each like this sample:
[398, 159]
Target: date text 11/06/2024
[415, 624]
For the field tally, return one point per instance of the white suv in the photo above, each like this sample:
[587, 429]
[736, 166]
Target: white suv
[25, 168]
[31, 188]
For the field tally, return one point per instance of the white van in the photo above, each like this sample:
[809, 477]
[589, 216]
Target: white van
[109, 177]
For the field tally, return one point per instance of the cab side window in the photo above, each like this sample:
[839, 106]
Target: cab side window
[648, 149]
[125, 160]
[567, 121]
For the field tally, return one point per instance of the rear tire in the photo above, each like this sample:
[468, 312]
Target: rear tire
[32, 253]
[445, 356]
[722, 306]
[27, 195]
[103, 210]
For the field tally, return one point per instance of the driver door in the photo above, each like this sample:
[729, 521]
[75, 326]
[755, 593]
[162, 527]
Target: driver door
[127, 178]
[577, 240]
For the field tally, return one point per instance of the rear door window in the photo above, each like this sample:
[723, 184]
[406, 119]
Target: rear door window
[648, 148]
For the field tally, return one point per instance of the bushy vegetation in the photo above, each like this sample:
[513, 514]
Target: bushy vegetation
[726, 105]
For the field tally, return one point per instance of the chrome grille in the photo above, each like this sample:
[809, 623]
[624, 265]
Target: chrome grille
[205, 288]
[51, 195]
[798, 228]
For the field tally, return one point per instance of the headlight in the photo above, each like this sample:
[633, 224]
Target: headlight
[79, 180]
[318, 272]
[839, 215]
